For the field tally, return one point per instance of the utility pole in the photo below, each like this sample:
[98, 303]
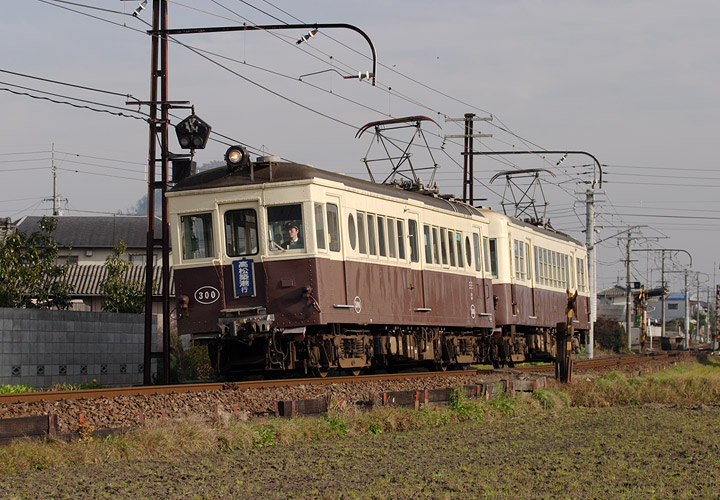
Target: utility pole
[662, 299]
[55, 198]
[628, 324]
[54, 171]
[468, 157]
[687, 312]
[697, 309]
[592, 263]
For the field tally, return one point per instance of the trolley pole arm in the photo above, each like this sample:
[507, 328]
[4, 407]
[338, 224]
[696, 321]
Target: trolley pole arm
[274, 27]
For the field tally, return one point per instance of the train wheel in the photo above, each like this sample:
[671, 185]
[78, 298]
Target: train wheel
[321, 372]
[440, 366]
[355, 372]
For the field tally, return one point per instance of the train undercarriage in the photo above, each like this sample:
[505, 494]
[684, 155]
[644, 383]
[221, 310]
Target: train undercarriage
[255, 346]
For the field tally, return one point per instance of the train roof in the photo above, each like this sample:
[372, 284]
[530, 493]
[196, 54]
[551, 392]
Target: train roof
[544, 230]
[276, 171]
[265, 172]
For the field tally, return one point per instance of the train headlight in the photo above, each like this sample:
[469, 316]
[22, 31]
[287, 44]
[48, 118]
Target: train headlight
[236, 157]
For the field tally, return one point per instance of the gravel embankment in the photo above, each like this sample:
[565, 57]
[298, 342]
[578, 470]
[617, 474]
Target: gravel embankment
[126, 411]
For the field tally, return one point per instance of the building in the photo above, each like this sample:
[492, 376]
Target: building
[90, 240]
[86, 242]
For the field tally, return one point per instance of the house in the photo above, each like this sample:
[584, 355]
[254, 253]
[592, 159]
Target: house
[675, 307]
[84, 244]
[90, 240]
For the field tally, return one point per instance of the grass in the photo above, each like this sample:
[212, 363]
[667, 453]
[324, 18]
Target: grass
[7, 389]
[683, 385]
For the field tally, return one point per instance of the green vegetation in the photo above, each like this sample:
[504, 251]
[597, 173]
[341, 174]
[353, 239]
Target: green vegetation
[685, 385]
[12, 389]
[610, 335]
[29, 274]
[589, 439]
[121, 295]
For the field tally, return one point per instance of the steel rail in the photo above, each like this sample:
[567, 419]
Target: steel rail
[113, 392]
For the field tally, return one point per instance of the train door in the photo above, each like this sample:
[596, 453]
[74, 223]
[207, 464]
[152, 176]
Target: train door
[531, 275]
[330, 235]
[413, 278]
[513, 266]
[483, 285]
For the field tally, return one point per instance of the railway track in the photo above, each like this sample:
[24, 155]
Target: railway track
[616, 362]
[184, 388]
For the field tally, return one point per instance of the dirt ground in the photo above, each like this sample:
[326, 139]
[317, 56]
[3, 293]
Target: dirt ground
[631, 452]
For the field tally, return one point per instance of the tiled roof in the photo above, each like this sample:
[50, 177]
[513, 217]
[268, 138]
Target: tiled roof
[86, 279]
[95, 232]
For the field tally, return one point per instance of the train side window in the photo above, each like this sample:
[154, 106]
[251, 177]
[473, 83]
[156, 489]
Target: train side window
[519, 250]
[428, 244]
[537, 265]
[412, 236]
[382, 247]
[436, 245]
[371, 234]
[285, 227]
[476, 244]
[241, 237]
[352, 232]
[443, 245]
[391, 238]
[333, 222]
[458, 246]
[362, 242]
[528, 270]
[319, 226]
[401, 240]
[451, 245]
[492, 243]
[197, 236]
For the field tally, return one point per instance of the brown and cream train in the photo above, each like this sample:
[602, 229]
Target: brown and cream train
[281, 266]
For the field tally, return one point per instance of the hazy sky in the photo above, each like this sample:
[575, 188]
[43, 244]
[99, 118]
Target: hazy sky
[635, 83]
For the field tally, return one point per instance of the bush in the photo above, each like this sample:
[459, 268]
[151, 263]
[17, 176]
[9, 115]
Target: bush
[610, 335]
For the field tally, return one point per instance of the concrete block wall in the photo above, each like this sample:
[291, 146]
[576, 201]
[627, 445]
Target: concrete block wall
[40, 348]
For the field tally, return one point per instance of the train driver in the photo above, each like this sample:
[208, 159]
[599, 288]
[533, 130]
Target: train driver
[293, 239]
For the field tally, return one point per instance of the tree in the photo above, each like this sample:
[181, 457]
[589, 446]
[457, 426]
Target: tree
[610, 335]
[121, 295]
[29, 274]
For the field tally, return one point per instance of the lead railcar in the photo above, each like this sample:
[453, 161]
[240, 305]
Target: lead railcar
[378, 276]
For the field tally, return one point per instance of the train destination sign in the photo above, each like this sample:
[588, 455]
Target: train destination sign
[243, 278]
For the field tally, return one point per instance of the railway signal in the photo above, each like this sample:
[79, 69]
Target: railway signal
[192, 132]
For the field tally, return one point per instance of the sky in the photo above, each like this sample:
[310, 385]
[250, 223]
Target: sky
[634, 83]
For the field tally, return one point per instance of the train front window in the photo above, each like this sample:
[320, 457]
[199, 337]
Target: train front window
[241, 232]
[285, 228]
[197, 236]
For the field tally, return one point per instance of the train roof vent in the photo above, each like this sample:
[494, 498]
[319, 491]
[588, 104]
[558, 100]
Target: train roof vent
[268, 159]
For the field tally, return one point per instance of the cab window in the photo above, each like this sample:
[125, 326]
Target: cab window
[197, 236]
[241, 232]
[285, 228]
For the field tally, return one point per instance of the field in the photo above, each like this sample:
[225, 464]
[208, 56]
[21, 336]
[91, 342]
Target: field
[621, 446]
